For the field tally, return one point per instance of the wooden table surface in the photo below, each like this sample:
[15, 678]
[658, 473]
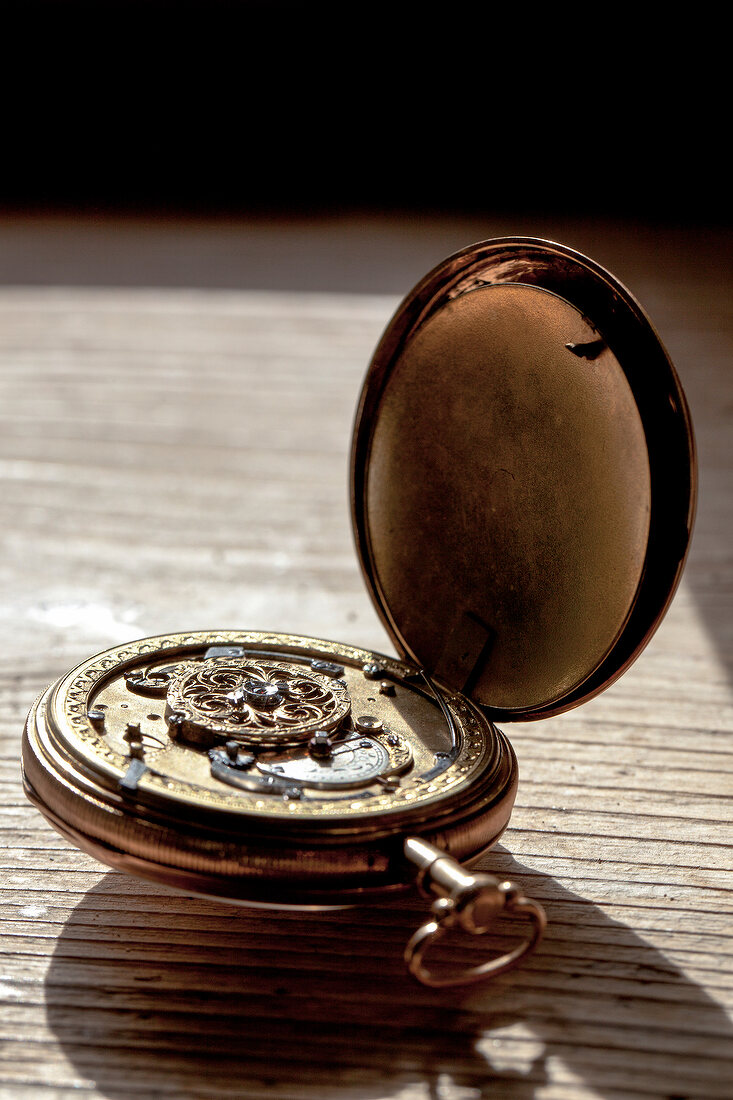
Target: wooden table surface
[176, 458]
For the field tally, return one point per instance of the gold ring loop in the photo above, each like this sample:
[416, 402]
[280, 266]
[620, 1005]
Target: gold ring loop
[444, 916]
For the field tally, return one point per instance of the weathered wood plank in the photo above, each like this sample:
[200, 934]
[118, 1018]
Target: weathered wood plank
[146, 486]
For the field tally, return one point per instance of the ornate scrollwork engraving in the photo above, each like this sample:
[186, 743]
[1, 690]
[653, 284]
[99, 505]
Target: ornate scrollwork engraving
[153, 682]
[252, 701]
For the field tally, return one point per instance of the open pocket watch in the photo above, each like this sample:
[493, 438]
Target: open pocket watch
[523, 489]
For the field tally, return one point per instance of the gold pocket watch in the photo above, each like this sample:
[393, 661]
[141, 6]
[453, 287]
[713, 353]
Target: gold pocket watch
[523, 484]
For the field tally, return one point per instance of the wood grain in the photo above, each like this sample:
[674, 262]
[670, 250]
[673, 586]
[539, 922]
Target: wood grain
[177, 459]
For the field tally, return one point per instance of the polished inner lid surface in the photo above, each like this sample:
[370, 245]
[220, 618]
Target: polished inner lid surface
[504, 493]
[519, 495]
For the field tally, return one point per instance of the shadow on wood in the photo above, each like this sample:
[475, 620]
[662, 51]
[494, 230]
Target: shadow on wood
[150, 992]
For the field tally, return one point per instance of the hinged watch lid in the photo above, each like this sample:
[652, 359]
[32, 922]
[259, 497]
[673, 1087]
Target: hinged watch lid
[523, 477]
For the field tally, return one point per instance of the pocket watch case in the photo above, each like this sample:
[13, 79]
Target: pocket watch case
[523, 487]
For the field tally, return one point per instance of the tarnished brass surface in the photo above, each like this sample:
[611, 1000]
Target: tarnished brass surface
[106, 762]
[523, 477]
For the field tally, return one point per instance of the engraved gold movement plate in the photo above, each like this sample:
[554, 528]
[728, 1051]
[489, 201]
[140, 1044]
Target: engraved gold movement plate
[522, 493]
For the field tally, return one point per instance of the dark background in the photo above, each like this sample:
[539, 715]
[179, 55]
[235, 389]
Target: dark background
[260, 108]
